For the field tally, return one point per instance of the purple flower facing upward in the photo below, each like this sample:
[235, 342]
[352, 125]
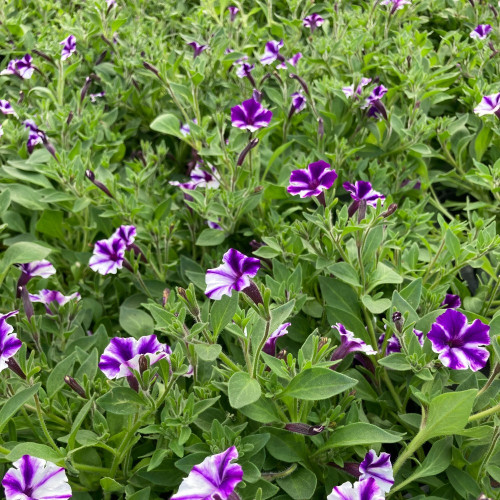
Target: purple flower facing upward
[245, 70]
[46, 297]
[272, 52]
[250, 115]
[293, 61]
[9, 343]
[69, 47]
[215, 478]
[270, 345]
[460, 345]
[20, 67]
[198, 49]
[298, 102]
[379, 468]
[489, 105]
[349, 343]
[232, 12]
[367, 489]
[6, 108]
[33, 478]
[313, 21]
[349, 91]
[481, 32]
[362, 190]
[313, 180]
[122, 355]
[234, 274]
[108, 256]
[200, 178]
[451, 301]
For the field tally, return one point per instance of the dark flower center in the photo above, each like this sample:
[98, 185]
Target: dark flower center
[455, 343]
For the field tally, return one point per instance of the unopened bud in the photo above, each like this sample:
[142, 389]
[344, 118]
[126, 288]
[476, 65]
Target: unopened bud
[257, 95]
[321, 127]
[43, 55]
[322, 342]
[251, 144]
[166, 295]
[101, 58]
[361, 210]
[302, 82]
[75, 386]
[85, 88]
[282, 354]
[152, 68]
[143, 364]
[390, 210]
[70, 118]
[91, 177]
[14, 366]
[253, 292]
[133, 383]
[397, 318]
[27, 304]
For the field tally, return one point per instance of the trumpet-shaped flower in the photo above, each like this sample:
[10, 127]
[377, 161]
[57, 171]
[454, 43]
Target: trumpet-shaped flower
[270, 345]
[451, 301]
[69, 47]
[349, 91]
[379, 468]
[298, 101]
[489, 105]
[367, 489]
[313, 21]
[200, 178]
[47, 297]
[42, 268]
[108, 256]
[250, 115]
[9, 343]
[481, 31]
[6, 107]
[272, 52]
[362, 190]
[233, 11]
[313, 180]
[20, 67]
[349, 343]
[197, 48]
[245, 70]
[293, 61]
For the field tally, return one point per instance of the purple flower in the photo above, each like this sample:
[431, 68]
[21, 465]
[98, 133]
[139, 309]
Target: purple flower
[313, 21]
[362, 190]
[349, 343]
[392, 346]
[6, 108]
[21, 67]
[232, 13]
[451, 301]
[214, 225]
[367, 489]
[349, 91]
[270, 345]
[185, 128]
[233, 274]
[93, 97]
[111, 3]
[244, 70]
[108, 256]
[375, 107]
[198, 49]
[379, 468]
[292, 61]
[460, 345]
[250, 115]
[35, 135]
[9, 343]
[69, 47]
[46, 297]
[420, 336]
[313, 180]
[35, 479]
[127, 234]
[215, 478]
[200, 178]
[298, 101]
[272, 52]
[489, 105]
[42, 268]
[396, 4]
[481, 31]
[122, 355]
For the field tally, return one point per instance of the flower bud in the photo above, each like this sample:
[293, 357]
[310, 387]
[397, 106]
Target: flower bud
[251, 144]
[14, 366]
[75, 386]
[397, 318]
[143, 364]
[390, 210]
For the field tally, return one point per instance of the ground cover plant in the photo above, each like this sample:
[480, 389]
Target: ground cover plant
[250, 249]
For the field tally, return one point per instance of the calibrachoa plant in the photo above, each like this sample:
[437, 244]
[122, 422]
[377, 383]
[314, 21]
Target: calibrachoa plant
[250, 251]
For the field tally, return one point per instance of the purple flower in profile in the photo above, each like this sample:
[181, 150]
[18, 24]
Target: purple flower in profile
[94, 97]
[108, 256]
[375, 107]
[460, 345]
[47, 297]
[245, 70]
[214, 225]
[32, 478]
[232, 12]
[349, 343]
[20, 67]
[127, 234]
[362, 190]
[489, 105]
[272, 52]
[6, 108]
[392, 346]
[313, 21]
[367, 489]
[198, 49]
[42, 268]
[9, 343]
[215, 478]
[313, 180]
[69, 47]
[293, 61]
[349, 91]
[185, 129]
[233, 274]
[111, 3]
[270, 345]
[35, 135]
[481, 31]
[420, 336]
[379, 468]
[250, 115]
[200, 178]
[298, 102]
[451, 301]
[396, 4]
[122, 355]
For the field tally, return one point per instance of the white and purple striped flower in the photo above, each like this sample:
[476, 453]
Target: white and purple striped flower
[379, 468]
[451, 301]
[312, 181]
[349, 91]
[215, 478]
[489, 105]
[127, 234]
[33, 478]
[9, 343]
[313, 21]
[122, 355]
[35, 135]
[42, 268]
[367, 489]
[362, 191]
[47, 297]
[197, 48]
[375, 107]
[349, 343]
[69, 47]
[232, 12]
[293, 61]
[460, 345]
[270, 345]
[214, 225]
[94, 97]
[396, 4]
[108, 256]
[20, 67]
[6, 108]
[200, 178]
[233, 274]
[481, 32]
[298, 102]
[245, 70]
[272, 52]
[393, 345]
[250, 115]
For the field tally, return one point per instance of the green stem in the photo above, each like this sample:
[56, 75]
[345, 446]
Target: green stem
[392, 390]
[485, 413]
[492, 377]
[413, 446]
[431, 265]
[259, 349]
[60, 84]
[229, 363]
[42, 424]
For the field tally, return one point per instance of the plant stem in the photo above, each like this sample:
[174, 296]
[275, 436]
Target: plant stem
[492, 377]
[228, 362]
[259, 349]
[413, 446]
[60, 84]
[485, 413]
[42, 424]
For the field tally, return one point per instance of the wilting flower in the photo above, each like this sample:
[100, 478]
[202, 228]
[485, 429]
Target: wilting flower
[109, 255]
[367, 489]
[122, 355]
[245, 70]
[69, 47]
[233, 274]
[379, 468]
[292, 61]
[93, 97]
[200, 178]
[451, 301]
[298, 102]
[35, 479]
[21, 67]
[42, 268]
[46, 297]
[349, 343]
[489, 105]
[215, 477]
[272, 52]
[460, 345]
[362, 190]
[270, 345]
[396, 4]
[481, 31]
[6, 108]
[232, 12]
[250, 115]
[349, 91]
[9, 343]
[313, 21]
[312, 180]
[198, 49]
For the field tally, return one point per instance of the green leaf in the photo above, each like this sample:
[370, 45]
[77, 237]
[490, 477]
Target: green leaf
[208, 352]
[4, 201]
[403, 307]
[300, 485]
[121, 400]
[286, 446]
[396, 361]
[452, 243]
[317, 383]
[437, 460]
[210, 238]
[384, 275]
[140, 495]
[24, 251]
[136, 322]
[375, 306]
[222, 312]
[243, 390]
[55, 380]
[13, 404]
[77, 423]
[412, 293]
[88, 367]
[50, 223]
[110, 485]
[345, 272]
[35, 450]
[263, 410]
[167, 124]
